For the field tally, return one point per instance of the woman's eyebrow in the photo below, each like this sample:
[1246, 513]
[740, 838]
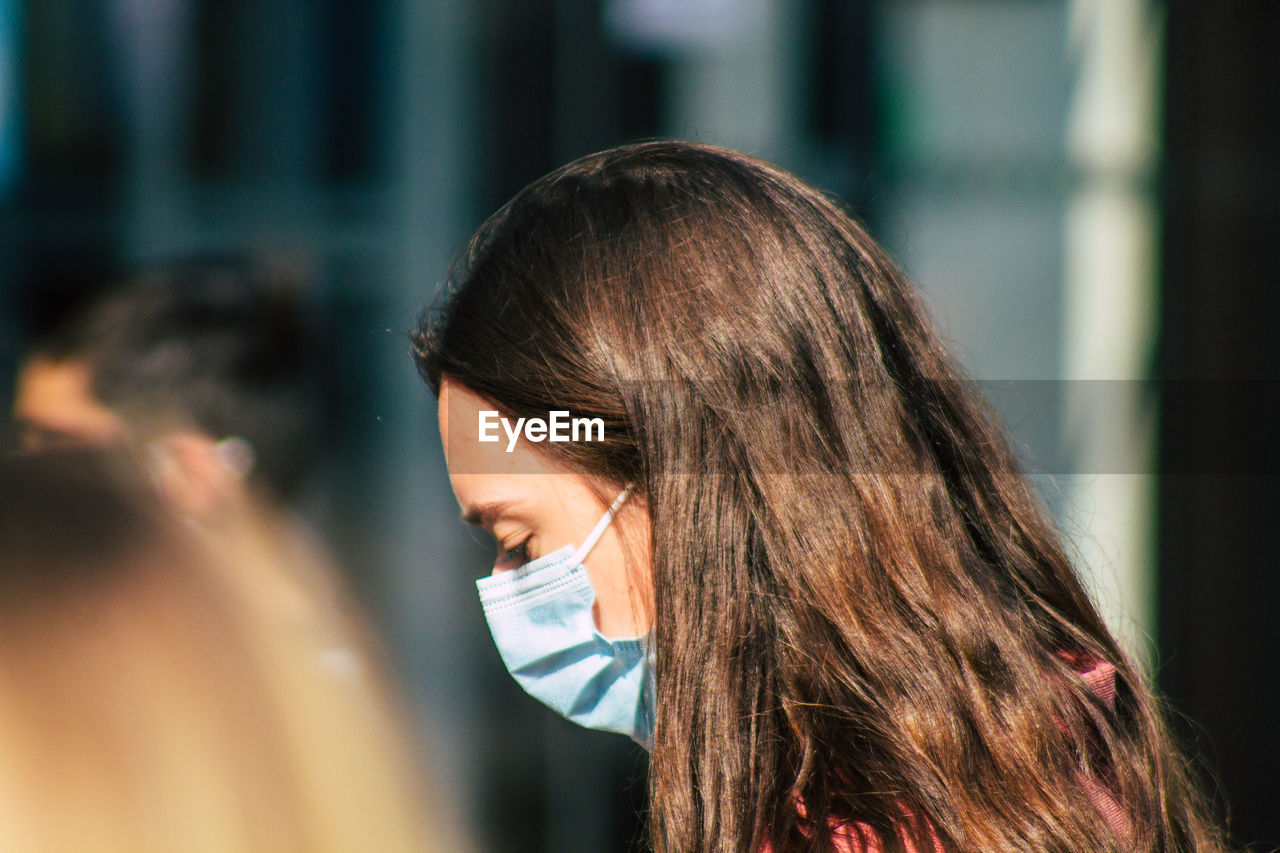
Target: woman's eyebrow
[484, 514]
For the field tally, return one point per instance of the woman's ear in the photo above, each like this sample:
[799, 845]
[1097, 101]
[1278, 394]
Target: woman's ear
[195, 474]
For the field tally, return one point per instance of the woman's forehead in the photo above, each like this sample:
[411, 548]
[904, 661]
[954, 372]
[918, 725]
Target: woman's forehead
[460, 412]
[486, 498]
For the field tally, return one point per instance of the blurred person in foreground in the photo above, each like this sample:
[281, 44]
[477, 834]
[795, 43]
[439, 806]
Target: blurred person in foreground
[208, 370]
[210, 366]
[151, 697]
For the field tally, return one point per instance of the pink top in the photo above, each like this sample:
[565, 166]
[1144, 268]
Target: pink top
[1100, 675]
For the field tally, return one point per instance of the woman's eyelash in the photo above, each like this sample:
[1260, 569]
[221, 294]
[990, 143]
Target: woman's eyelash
[515, 555]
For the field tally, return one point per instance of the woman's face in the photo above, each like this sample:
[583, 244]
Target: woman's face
[532, 506]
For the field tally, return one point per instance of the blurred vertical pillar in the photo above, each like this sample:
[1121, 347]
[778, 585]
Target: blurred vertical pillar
[416, 536]
[276, 83]
[1220, 359]
[151, 47]
[11, 143]
[585, 110]
[735, 68]
[1110, 305]
[739, 86]
[10, 95]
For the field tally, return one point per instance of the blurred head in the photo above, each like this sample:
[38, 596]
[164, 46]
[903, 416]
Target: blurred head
[213, 364]
[157, 693]
[856, 599]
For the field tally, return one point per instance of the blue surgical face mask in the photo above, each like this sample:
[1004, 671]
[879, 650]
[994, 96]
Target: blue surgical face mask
[540, 618]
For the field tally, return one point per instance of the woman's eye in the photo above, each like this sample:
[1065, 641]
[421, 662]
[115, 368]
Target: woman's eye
[513, 557]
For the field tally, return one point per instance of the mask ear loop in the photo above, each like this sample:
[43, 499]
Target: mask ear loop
[602, 524]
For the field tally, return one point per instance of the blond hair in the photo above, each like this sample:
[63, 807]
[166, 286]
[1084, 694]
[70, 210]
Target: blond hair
[160, 691]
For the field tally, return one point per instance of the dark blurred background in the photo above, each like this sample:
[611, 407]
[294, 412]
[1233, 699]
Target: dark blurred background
[1087, 192]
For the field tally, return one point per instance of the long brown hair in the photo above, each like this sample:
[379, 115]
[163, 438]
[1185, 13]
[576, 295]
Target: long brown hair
[863, 615]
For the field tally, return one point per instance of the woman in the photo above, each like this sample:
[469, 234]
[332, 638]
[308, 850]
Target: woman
[862, 630]
[161, 691]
